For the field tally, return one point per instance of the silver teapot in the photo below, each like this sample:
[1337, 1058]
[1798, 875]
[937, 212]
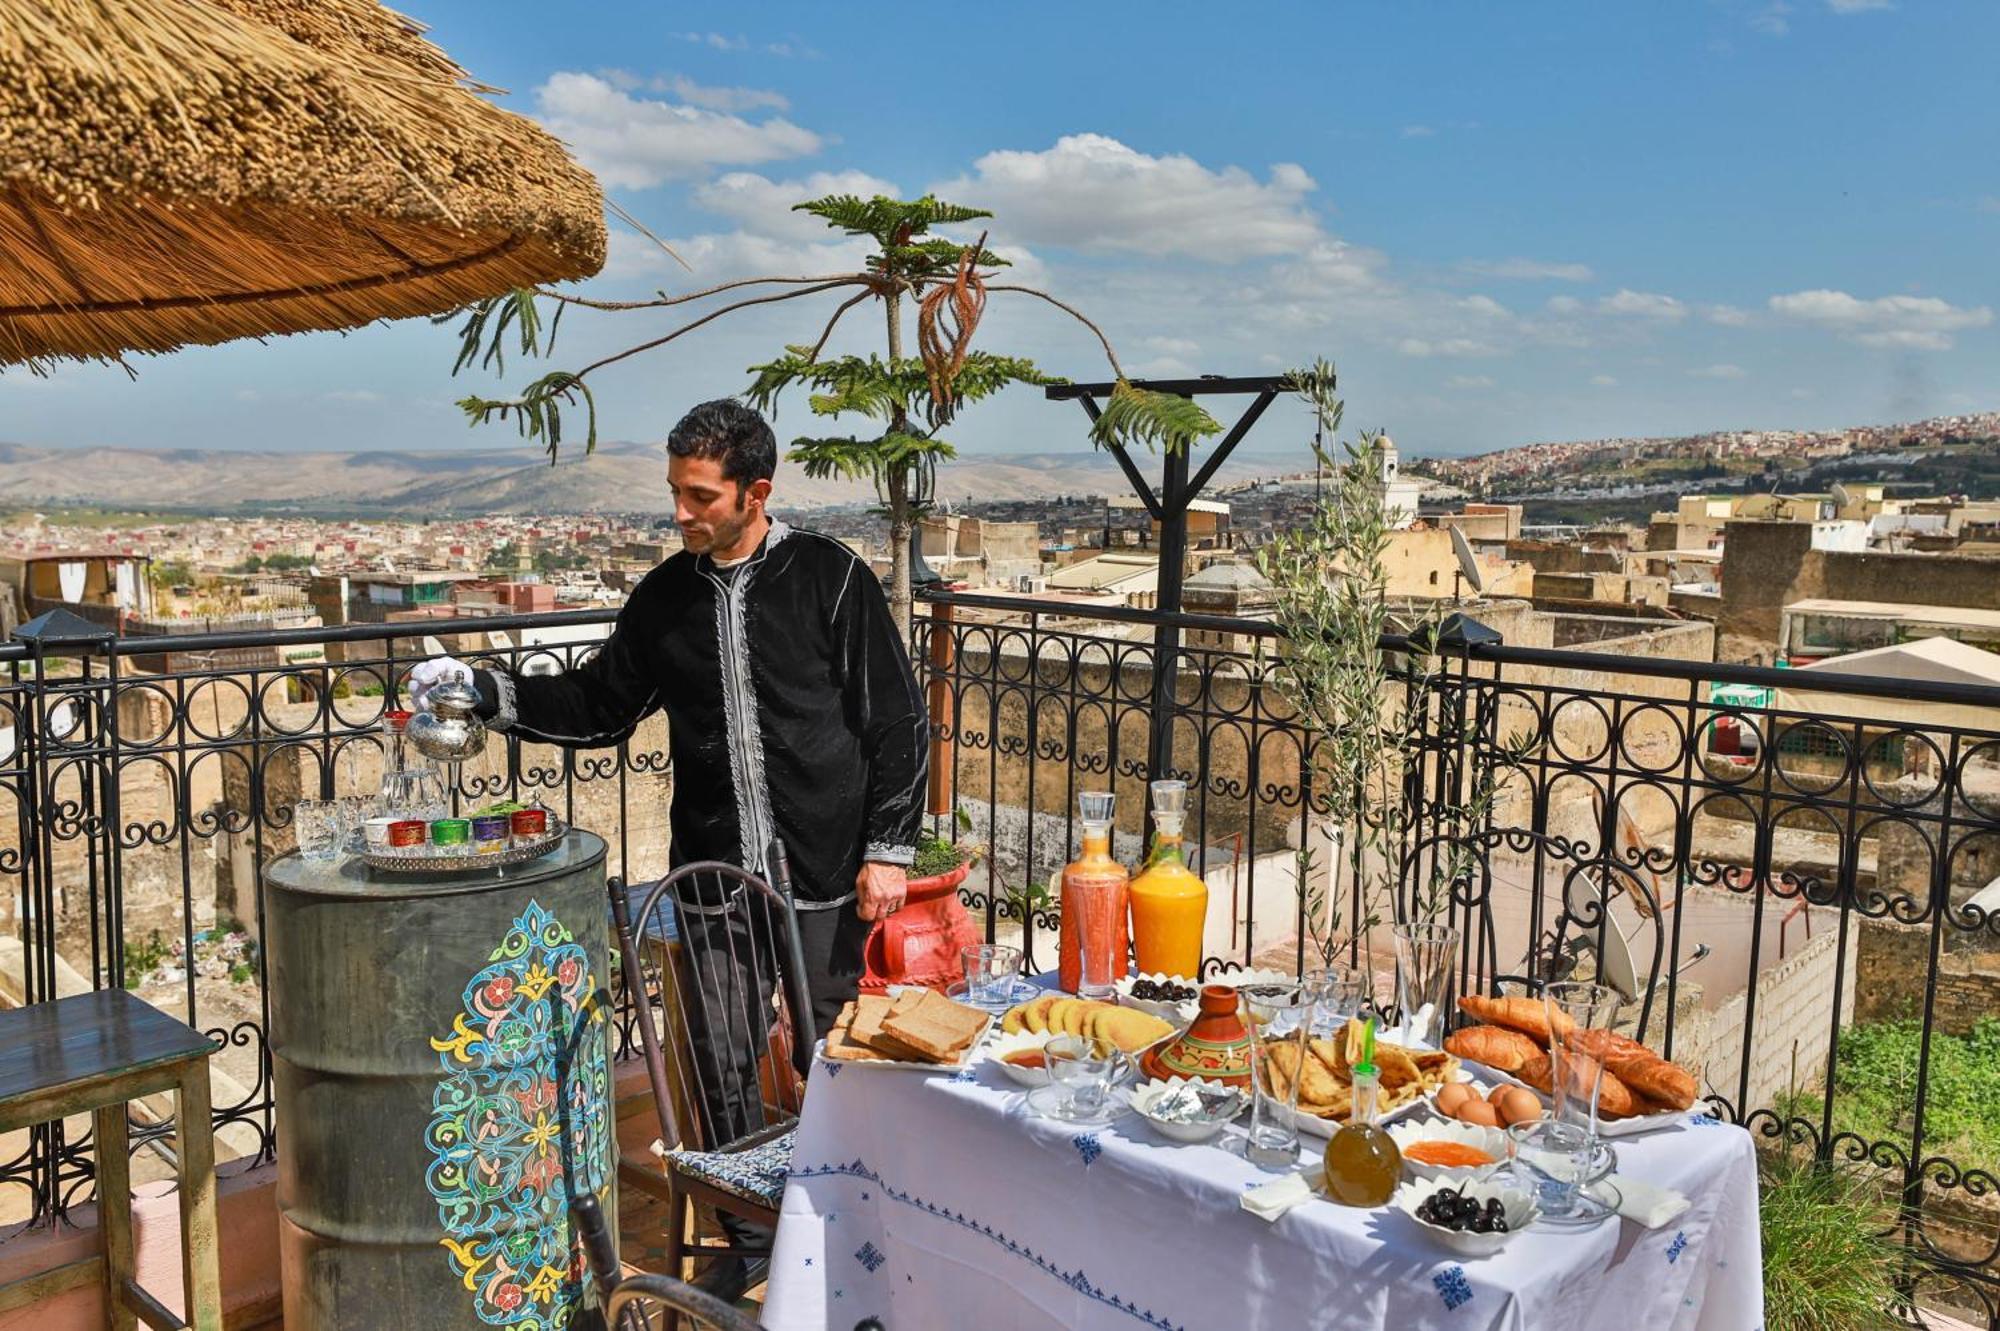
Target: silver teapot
[448, 729]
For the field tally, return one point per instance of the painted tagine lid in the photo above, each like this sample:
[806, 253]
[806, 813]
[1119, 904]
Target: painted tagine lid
[1216, 1046]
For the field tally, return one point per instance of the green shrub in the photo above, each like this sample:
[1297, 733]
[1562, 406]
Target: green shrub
[1875, 1089]
[936, 856]
[1826, 1266]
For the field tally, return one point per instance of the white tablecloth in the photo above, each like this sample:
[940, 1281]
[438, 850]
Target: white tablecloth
[940, 1201]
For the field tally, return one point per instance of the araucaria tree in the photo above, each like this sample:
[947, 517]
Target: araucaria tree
[906, 399]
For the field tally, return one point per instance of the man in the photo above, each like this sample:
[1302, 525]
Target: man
[792, 715]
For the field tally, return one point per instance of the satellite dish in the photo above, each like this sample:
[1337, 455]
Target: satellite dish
[1468, 563]
[1840, 494]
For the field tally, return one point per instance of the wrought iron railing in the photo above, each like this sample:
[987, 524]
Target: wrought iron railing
[1759, 877]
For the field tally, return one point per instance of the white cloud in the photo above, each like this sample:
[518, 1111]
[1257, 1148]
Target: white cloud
[1418, 131]
[1990, 204]
[717, 98]
[1858, 6]
[1471, 381]
[1643, 305]
[1729, 316]
[1449, 346]
[247, 395]
[1771, 20]
[727, 255]
[1483, 305]
[1173, 346]
[1565, 305]
[764, 206]
[1719, 372]
[1919, 323]
[639, 142]
[361, 396]
[1603, 381]
[1529, 270]
[1093, 193]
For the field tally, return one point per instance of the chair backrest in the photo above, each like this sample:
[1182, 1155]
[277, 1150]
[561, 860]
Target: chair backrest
[713, 964]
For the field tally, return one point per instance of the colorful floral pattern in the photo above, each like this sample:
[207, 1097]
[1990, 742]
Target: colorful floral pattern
[519, 1119]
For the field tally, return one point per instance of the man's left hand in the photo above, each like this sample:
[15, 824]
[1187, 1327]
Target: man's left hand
[879, 890]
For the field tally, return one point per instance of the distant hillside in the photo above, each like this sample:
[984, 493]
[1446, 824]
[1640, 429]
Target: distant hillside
[617, 478]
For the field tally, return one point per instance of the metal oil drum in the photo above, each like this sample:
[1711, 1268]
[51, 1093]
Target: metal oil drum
[440, 1049]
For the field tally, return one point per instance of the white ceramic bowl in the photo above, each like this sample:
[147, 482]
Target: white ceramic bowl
[1490, 1140]
[998, 1047]
[1180, 1013]
[1147, 1093]
[1519, 1208]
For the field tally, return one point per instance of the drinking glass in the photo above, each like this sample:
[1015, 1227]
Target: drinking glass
[355, 811]
[1577, 1071]
[1553, 1160]
[1277, 1016]
[990, 969]
[1424, 956]
[1083, 1068]
[316, 823]
[1100, 910]
[1338, 994]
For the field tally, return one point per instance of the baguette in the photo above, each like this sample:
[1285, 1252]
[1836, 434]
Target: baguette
[1614, 1098]
[1649, 1075]
[1530, 1016]
[1495, 1046]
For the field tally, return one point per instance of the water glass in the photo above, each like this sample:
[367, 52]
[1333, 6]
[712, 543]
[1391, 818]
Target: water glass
[1277, 1016]
[1339, 992]
[317, 825]
[990, 969]
[355, 811]
[1424, 957]
[1083, 1067]
[1553, 1160]
[1577, 1072]
[1100, 905]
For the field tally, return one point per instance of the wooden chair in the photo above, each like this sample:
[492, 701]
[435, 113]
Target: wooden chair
[726, 1028]
[96, 1053]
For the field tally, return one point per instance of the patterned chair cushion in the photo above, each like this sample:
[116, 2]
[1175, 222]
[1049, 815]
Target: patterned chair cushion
[756, 1175]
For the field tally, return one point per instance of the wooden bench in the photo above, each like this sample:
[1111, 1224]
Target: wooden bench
[95, 1053]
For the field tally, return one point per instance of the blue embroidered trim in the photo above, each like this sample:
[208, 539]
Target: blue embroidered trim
[1087, 1146]
[1075, 1280]
[1677, 1247]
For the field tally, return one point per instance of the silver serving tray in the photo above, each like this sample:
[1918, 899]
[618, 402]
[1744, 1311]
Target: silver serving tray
[470, 861]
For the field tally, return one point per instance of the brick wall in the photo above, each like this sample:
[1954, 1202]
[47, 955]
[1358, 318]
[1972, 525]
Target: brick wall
[1791, 1029]
[1893, 962]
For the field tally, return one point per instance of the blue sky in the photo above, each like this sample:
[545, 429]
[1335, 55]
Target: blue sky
[1504, 223]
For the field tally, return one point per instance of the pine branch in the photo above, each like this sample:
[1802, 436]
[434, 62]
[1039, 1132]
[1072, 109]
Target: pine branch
[537, 412]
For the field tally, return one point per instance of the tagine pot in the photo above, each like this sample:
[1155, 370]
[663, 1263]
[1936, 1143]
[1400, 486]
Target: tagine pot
[1215, 1047]
[923, 942]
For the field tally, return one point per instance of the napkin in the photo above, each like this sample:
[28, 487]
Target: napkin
[1268, 1201]
[1642, 1203]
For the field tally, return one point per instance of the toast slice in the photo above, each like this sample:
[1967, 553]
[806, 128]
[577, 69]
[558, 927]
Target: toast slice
[936, 1027]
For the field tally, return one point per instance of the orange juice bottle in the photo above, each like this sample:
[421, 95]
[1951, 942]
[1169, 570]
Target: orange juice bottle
[1092, 951]
[1169, 900]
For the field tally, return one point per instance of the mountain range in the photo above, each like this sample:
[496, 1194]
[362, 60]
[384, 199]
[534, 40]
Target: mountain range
[616, 478]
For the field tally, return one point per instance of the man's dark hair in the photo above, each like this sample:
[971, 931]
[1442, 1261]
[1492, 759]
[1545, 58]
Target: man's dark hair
[727, 430]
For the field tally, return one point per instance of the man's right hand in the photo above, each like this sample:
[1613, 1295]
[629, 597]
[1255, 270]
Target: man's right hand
[429, 674]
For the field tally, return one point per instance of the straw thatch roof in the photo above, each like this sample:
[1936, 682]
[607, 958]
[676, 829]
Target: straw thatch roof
[177, 171]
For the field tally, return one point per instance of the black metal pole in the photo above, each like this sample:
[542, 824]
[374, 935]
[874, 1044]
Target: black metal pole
[1174, 499]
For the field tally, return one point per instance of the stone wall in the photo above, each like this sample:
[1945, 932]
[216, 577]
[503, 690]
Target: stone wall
[1893, 963]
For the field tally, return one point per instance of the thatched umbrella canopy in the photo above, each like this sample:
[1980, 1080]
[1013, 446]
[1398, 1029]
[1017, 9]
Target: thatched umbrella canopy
[191, 171]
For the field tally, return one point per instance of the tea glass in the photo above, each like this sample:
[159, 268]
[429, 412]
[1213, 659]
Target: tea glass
[1578, 1074]
[1276, 1015]
[1082, 1068]
[1339, 991]
[317, 824]
[1556, 1161]
[990, 970]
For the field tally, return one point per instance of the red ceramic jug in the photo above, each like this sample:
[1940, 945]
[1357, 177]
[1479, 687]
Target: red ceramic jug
[923, 942]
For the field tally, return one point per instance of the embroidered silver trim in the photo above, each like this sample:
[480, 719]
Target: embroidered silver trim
[503, 693]
[881, 852]
[754, 823]
[803, 906]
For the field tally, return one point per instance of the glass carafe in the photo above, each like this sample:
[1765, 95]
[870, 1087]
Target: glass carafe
[1169, 901]
[1094, 943]
[1363, 1162]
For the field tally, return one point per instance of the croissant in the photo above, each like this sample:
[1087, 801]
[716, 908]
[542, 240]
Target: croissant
[1530, 1016]
[1644, 1071]
[1495, 1046]
[1614, 1097]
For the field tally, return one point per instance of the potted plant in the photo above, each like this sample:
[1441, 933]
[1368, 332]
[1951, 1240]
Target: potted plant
[923, 942]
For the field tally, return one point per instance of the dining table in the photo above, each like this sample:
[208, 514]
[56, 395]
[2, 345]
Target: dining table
[943, 1199]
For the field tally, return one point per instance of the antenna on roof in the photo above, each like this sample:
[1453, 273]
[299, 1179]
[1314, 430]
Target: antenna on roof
[1468, 565]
